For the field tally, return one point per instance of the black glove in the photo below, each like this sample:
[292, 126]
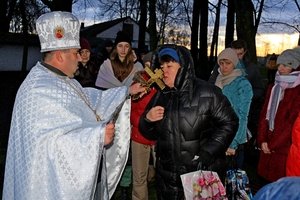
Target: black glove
[204, 160]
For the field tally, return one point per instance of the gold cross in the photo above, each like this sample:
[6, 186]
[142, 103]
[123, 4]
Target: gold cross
[155, 77]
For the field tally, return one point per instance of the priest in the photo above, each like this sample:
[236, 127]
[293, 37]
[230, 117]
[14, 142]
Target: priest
[62, 134]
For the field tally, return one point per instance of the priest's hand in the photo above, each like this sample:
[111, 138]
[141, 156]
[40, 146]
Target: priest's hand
[109, 133]
[137, 88]
[156, 113]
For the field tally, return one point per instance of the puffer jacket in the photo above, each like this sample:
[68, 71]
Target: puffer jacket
[198, 126]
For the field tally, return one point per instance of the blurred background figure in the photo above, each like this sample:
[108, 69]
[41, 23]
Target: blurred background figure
[279, 112]
[108, 46]
[142, 148]
[271, 67]
[254, 77]
[88, 66]
[253, 74]
[238, 90]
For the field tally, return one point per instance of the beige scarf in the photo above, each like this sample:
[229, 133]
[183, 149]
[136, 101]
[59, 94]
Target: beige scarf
[222, 80]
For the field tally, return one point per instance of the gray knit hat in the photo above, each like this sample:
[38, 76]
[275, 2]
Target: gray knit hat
[229, 54]
[147, 57]
[290, 58]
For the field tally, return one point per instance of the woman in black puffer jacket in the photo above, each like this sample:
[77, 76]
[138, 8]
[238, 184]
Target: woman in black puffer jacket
[192, 121]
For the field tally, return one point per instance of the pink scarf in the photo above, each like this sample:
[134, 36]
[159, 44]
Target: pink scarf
[282, 82]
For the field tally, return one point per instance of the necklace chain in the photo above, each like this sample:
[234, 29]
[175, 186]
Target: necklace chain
[82, 95]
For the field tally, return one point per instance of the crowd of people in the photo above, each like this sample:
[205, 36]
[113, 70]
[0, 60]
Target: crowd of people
[82, 126]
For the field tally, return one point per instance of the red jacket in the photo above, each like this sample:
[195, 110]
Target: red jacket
[273, 166]
[293, 160]
[137, 109]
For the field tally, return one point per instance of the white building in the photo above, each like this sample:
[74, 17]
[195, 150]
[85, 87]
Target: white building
[20, 53]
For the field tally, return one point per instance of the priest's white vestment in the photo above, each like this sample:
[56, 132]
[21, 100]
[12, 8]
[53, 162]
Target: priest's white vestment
[56, 143]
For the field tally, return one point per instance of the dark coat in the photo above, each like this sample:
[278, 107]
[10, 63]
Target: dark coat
[87, 75]
[198, 126]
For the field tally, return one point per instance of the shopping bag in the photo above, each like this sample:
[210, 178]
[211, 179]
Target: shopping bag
[200, 185]
[237, 185]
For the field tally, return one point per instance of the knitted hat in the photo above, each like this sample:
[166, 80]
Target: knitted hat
[170, 52]
[229, 54]
[122, 37]
[290, 58]
[147, 57]
[84, 44]
[58, 30]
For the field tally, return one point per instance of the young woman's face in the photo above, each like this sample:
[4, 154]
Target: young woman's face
[226, 66]
[85, 55]
[170, 70]
[284, 70]
[123, 49]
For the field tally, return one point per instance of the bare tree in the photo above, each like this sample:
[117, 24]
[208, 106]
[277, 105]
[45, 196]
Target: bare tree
[195, 30]
[56, 5]
[245, 27]
[7, 8]
[229, 34]
[120, 8]
[289, 23]
[203, 71]
[214, 43]
[142, 23]
[152, 25]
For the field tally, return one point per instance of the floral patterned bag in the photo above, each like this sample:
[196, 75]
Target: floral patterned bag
[200, 185]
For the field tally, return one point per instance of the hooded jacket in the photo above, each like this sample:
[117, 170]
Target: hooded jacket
[198, 125]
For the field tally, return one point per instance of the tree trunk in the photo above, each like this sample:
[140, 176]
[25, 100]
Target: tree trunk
[142, 24]
[245, 26]
[194, 31]
[7, 8]
[214, 43]
[204, 71]
[152, 24]
[229, 24]
[25, 33]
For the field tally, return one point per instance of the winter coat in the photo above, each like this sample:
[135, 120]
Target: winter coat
[137, 108]
[273, 166]
[239, 92]
[86, 75]
[198, 126]
[293, 160]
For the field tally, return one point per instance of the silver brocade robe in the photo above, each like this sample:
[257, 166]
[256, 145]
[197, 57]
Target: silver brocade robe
[55, 142]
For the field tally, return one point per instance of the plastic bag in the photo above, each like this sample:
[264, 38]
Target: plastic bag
[202, 184]
[237, 185]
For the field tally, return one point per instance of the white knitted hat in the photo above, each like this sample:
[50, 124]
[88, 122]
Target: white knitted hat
[58, 30]
[229, 54]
